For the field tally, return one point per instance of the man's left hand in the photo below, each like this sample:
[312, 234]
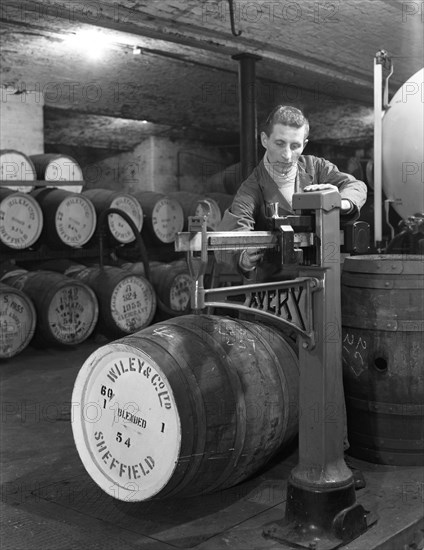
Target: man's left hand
[320, 187]
[346, 205]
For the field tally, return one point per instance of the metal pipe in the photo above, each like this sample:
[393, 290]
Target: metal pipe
[378, 127]
[247, 112]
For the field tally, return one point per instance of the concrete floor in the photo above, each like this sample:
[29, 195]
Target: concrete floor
[49, 502]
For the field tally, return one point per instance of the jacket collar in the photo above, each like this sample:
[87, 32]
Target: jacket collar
[303, 178]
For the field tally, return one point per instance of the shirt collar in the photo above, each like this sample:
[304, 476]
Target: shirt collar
[303, 178]
[279, 179]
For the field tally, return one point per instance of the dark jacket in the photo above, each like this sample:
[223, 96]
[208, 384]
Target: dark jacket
[247, 211]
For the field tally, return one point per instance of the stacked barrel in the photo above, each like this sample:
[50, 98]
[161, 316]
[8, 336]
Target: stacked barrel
[127, 301]
[54, 287]
[17, 321]
[55, 214]
[66, 310]
[171, 282]
[17, 170]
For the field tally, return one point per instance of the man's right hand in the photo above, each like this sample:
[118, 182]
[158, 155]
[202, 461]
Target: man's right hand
[250, 258]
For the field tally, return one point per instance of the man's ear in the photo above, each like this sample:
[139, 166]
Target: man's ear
[305, 143]
[264, 139]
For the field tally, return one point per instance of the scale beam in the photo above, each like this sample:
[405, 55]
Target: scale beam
[225, 240]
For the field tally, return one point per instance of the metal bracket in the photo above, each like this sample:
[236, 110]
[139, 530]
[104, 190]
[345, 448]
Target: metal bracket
[288, 303]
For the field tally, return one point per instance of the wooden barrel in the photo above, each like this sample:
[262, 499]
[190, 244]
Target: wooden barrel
[21, 219]
[210, 208]
[67, 311]
[17, 321]
[171, 281]
[15, 166]
[127, 302]
[59, 168]
[164, 217]
[69, 218]
[223, 200]
[383, 357]
[194, 204]
[189, 406]
[119, 229]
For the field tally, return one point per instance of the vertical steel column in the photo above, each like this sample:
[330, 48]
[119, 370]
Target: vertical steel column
[378, 143]
[247, 112]
[321, 506]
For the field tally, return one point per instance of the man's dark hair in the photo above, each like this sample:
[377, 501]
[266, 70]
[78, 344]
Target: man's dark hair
[287, 115]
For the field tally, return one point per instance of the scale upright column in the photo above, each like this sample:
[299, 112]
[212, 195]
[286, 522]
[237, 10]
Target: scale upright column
[321, 504]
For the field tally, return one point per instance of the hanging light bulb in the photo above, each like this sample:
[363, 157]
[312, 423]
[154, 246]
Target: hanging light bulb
[90, 42]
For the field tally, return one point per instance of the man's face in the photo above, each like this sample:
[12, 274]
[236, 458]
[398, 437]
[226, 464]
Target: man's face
[284, 146]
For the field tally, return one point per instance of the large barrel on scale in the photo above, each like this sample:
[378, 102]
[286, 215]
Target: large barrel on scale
[21, 219]
[203, 403]
[15, 166]
[58, 169]
[127, 302]
[67, 310]
[17, 321]
[383, 357]
[119, 229]
[69, 218]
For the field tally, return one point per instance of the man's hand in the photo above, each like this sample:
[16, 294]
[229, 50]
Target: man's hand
[249, 258]
[320, 187]
[346, 205]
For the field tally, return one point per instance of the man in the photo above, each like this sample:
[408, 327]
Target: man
[282, 172]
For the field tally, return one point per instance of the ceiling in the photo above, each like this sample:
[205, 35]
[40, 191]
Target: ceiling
[183, 82]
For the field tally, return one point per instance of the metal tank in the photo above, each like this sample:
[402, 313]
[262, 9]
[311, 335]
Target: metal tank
[403, 148]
